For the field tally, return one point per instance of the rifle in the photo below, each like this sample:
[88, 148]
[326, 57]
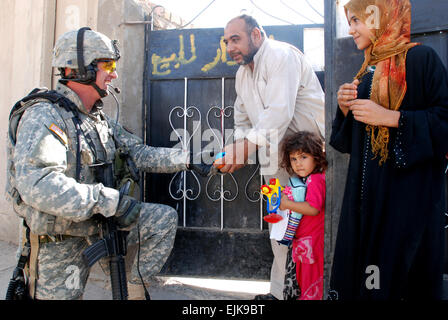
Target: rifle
[113, 245]
[18, 286]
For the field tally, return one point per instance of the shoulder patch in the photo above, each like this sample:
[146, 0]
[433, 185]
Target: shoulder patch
[59, 133]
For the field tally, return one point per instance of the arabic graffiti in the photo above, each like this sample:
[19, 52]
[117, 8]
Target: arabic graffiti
[161, 66]
[220, 55]
[166, 65]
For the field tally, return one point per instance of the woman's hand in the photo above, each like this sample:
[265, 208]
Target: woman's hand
[369, 112]
[346, 93]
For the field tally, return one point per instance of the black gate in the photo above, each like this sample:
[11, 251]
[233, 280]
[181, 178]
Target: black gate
[342, 60]
[189, 97]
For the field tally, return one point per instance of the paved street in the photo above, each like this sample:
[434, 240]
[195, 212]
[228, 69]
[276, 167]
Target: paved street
[161, 288]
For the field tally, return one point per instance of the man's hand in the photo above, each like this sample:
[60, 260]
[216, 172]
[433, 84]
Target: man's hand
[236, 156]
[369, 112]
[346, 93]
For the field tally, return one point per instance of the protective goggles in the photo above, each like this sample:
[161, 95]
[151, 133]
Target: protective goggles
[108, 66]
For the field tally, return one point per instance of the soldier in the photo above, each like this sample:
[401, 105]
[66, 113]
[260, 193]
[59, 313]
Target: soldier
[56, 163]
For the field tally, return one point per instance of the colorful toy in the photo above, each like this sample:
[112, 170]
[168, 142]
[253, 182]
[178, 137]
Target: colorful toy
[288, 192]
[219, 156]
[273, 192]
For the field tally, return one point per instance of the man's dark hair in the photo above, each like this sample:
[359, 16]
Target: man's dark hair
[251, 23]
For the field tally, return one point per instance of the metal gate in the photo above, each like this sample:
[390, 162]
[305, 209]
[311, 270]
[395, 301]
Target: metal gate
[189, 104]
[430, 27]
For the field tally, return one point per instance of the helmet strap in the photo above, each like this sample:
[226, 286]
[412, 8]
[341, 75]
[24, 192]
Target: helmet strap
[75, 75]
[64, 80]
[100, 91]
[80, 53]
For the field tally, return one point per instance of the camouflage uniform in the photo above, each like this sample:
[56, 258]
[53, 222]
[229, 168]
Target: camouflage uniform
[41, 175]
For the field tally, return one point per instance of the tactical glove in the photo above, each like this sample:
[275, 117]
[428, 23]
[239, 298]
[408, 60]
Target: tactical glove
[201, 168]
[128, 211]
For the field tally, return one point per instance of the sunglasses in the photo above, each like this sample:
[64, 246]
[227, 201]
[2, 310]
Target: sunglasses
[108, 66]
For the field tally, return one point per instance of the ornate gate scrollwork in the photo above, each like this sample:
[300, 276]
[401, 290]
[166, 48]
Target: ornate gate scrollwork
[215, 187]
[182, 193]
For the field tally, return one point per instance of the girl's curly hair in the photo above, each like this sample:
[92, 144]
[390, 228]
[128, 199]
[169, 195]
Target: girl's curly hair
[307, 142]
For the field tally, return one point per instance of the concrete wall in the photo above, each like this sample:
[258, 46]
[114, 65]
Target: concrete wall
[29, 30]
[27, 33]
[111, 22]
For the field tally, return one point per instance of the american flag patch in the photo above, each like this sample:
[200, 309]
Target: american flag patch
[58, 132]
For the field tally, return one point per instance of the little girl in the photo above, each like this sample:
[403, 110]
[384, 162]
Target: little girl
[304, 156]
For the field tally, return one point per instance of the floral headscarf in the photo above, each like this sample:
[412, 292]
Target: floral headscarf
[390, 22]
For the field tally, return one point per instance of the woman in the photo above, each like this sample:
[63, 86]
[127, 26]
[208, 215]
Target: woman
[393, 121]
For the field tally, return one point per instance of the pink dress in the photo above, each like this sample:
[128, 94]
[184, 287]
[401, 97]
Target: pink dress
[308, 244]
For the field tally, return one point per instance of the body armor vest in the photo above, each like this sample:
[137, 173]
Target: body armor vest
[90, 146]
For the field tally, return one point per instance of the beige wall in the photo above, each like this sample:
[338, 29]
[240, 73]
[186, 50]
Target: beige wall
[29, 29]
[71, 15]
[131, 64]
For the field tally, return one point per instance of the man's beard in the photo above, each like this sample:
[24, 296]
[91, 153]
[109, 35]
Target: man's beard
[248, 58]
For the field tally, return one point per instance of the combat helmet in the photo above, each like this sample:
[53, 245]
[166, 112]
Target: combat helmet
[80, 50]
